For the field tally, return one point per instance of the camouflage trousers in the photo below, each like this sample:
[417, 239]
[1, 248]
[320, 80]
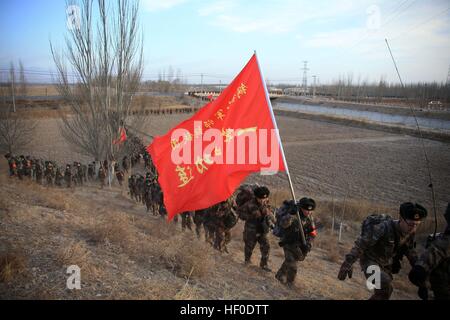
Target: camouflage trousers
[251, 238]
[186, 221]
[386, 288]
[198, 228]
[292, 254]
[222, 238]
[209, 232]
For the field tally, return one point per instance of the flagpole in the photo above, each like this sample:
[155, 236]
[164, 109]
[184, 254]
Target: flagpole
[302, 233]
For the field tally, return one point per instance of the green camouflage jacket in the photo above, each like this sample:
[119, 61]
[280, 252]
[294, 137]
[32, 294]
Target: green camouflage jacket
[382, 245]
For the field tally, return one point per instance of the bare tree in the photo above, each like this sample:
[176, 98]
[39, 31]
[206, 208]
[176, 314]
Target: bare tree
[22, 80]
[15, 132]
[12, 80]
[105, 57]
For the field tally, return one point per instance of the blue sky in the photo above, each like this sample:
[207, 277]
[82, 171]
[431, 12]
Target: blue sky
[217, 38]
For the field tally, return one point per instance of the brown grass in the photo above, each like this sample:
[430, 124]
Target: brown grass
[185, 256]
[75, 253]
[277, 197]
[188, 292]
[182, 254]
[329, 243]
[56, 201]
[112, 228]
[12, 264]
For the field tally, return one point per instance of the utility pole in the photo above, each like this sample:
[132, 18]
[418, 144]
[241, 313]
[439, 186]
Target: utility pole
[201, 86]
[12, 75]
[314, 87]
[305, 77]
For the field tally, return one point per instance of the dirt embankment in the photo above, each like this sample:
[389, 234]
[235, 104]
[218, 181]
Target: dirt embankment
[404, 109]
[392, 128]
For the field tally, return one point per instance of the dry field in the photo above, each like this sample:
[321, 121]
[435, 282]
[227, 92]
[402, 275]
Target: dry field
[125, 253]
[334, 161]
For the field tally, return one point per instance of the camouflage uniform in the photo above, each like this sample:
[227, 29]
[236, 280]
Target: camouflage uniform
[186, 220]
[257, 219]
[12, 166]
[38, 169]
[79, 174]
[102, 176]
[125, 164]
[68, 176]
[198, 221]
[291, 244]
[119, 176]
[156, 196]
[433, 265]
[91, 171]
[139, 188]
[131, 181]
[49, 173]
[383, 247]
[209, 224]
[435, 261]
[224, 221]
[28, 167]
[58, 177]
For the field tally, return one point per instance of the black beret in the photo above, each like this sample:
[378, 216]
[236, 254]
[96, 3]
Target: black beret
[307, 204]
[261, 192]
[411, 211]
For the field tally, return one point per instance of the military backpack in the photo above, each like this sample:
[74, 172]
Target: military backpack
[288, 207]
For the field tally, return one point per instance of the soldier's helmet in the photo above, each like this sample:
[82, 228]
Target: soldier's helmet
[307, 204]
[412, 211]
[261, 192]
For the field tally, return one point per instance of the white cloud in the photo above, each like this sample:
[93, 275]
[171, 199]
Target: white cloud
[275, 16]
[215, 8]
[420, 45]
[158, 5]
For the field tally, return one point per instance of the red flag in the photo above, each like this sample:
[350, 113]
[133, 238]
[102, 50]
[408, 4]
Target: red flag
[210, 97]
[122, 138]
[204, 159]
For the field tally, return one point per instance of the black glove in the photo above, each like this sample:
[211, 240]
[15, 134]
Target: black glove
[305, 249]
[417, 275]
[346, 270]
[396, 266]
[423, 293]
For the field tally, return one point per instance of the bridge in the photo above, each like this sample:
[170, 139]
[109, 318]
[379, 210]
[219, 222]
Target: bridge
[213, 94]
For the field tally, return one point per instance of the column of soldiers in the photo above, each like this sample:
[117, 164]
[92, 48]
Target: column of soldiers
[382, 245]
[50, 173]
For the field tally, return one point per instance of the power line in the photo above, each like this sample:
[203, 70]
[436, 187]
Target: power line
[421, 23]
